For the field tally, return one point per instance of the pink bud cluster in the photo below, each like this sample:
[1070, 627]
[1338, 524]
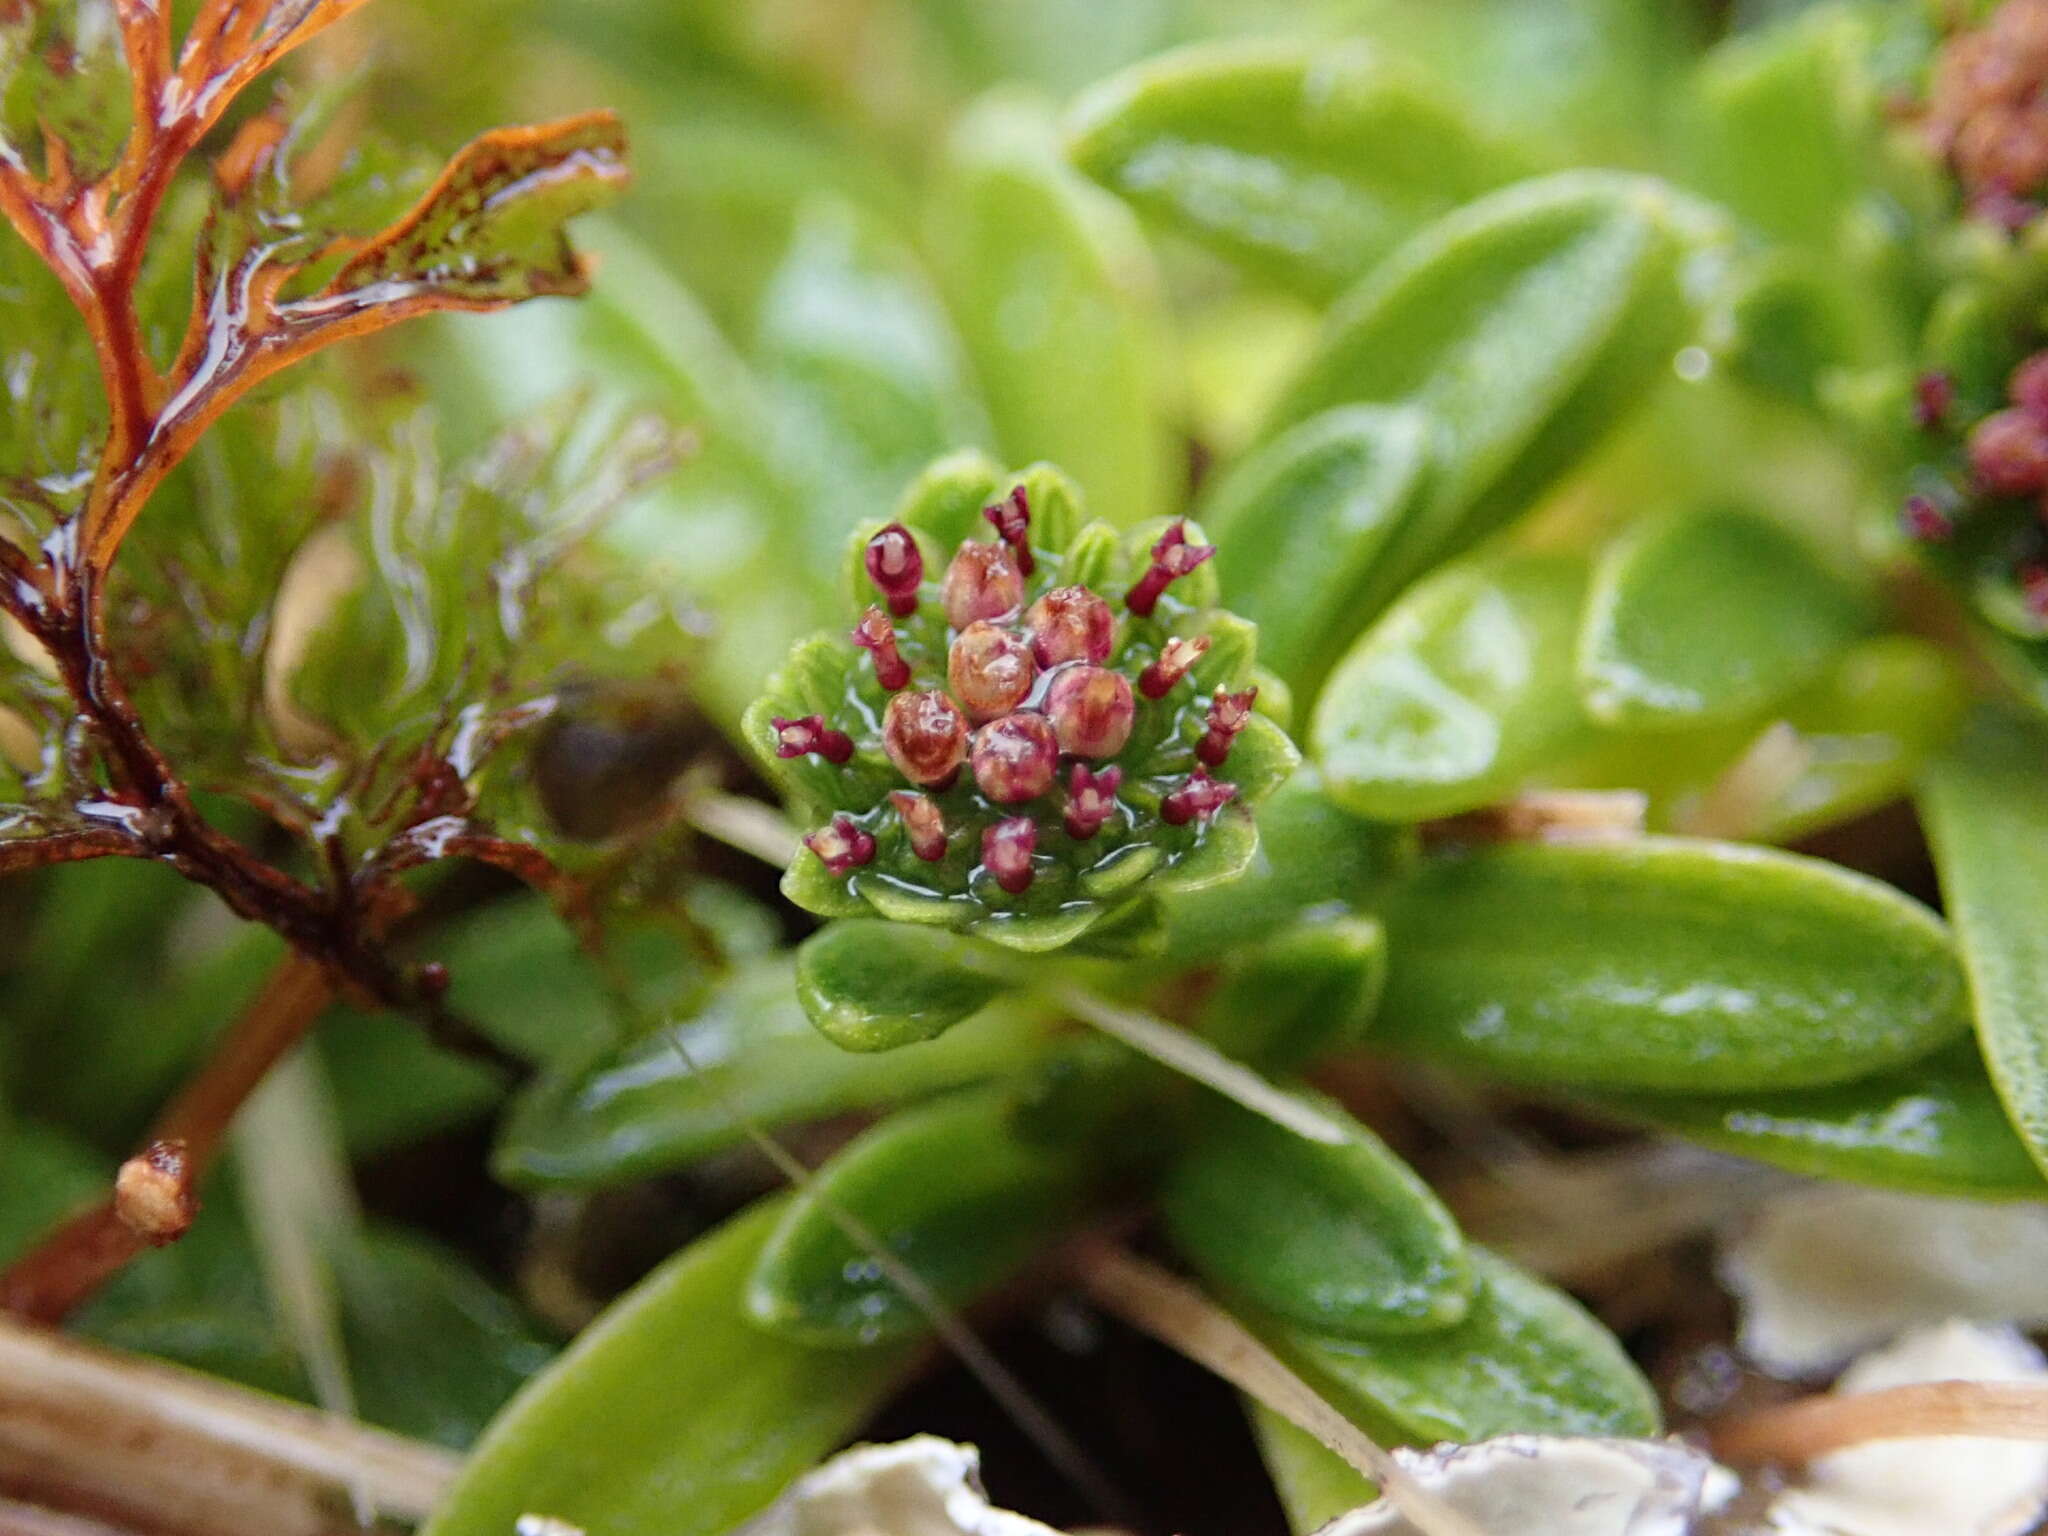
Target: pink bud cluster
[1025, 689]
[2007, 453]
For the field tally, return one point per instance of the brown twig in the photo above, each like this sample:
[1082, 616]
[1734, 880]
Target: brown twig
[1813, 1426]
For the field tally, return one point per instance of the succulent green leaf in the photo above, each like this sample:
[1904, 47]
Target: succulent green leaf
[1315, 1484]
[1525, 325]
[1053, 288]
[1305, 161]
[1307, 990]
[1344, 1238]
[1987, 818]
[1303, 522]
[1663, 963]
[948, 1188]
[1314, 859]
[1708, 615]
[1459, 693]
[1526, 1359]
[870, 985]
[1935, 1127]
[747, 1055]
[672, 1415]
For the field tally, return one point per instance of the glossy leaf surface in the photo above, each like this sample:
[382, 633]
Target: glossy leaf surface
[948, 1187]
[1303, 523]
[672, 1415]
[1987, 818]
[746, 1053]
[1525, 324]
[1934, 1127]
[1304, 161]
[1707, 615]
[1345, 1239]
[871, 985]
[1664, 963]
[1459, 693]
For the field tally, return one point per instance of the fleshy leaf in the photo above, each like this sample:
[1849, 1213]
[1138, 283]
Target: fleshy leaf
[1345, 1239]
[1054, 289]
[1987, 819]
[1934, 1127]
[1708, 615]
[1303, 522]
[1304, 161]
[1526, 1358]
[873, 986]
[1664, 963]
[948, 1188]
[1525, 325]
[672, 1415]
[748, 1055]
[1459, 693]
[1307, 990]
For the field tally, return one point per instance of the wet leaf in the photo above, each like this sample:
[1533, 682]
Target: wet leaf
[1305, 161]
[672, 1415]
[870, 985]
[1525, 325]
[1708, 615]
[1526, 1359]
[1053, 288]
[949, 1188]
[1664, 963]
[1303, 523]
[1459, 693]
[1307, 990]
[748, 1055]
[1987, 818]
[1934, 1127]
[1345, 1239]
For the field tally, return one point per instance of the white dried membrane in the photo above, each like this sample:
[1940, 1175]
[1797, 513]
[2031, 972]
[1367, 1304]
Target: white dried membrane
[924, 1486]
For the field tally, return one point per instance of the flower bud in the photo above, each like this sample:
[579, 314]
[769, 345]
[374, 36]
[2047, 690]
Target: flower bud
[921, 819]
[983, 582]
[896, 566]
[1172, 558]
[1012, 519]
[925, 737]
[841, 845]
[1091, 711]
[1227, 715]
[1091, 799]
[877, 635]
[2028, 387]
[1198, 796]
[801, 738]
[1015, 758]
[1934, 396]
[1006, 849]
[1925, 522]
[1175, 657]
[2009, 454]
[1070, 624]
[991, 671]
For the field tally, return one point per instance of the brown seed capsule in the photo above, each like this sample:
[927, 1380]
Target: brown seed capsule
[1198, 795]
[1227, 715]
[1091, 799]
[1091, 711]
[1175, 657]
[2009, 454]
[841, 845]
[1006, 849]
[991, 671]
[921, 819]
[896, 566]
[1015, 758]
[1070, 624]
[153, 1193]
[983, 582]
[925, 737]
